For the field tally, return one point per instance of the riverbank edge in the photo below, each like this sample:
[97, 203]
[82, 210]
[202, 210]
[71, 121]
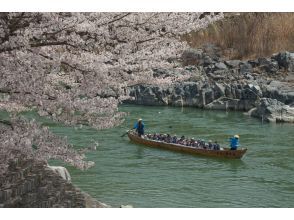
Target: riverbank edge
[263, 87]
[32, 184]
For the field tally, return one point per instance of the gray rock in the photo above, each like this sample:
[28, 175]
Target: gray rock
[223, 103]
[246, 68]
[248, 76]
[207, 60]
[282, 91]
[268, 65]
[233, 63]
[220, 66]
[255, 88]
[254, 63]
[228, 91]
[219, 90]
[273, 111]
[190, 89]
[290, 77]
[179, 90]
[285, 60]
[208, 96]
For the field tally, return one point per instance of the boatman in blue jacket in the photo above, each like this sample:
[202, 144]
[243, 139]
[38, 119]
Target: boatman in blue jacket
[139, 126]
[234, 142]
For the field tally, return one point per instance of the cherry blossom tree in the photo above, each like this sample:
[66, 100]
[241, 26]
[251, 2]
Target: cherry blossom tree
[74, 68]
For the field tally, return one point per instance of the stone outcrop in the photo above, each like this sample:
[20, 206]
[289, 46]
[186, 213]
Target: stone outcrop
[222, 84]
[272, 110]
[285, 59]
[198, 94]
[33, 184]
[282, 91]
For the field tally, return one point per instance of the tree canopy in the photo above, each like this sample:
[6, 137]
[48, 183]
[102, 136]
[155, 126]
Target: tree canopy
[74, 68]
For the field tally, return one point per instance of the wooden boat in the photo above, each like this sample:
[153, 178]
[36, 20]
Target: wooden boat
[223, 153]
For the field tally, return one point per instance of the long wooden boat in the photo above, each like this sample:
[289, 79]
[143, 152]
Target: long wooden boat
[223, 153]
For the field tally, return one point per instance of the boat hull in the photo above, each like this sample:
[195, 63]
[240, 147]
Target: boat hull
[225, 153]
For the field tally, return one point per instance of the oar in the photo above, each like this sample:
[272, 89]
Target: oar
[125, 133]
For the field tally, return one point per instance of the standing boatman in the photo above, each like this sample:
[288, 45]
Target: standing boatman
[139, 126]
[234, 142]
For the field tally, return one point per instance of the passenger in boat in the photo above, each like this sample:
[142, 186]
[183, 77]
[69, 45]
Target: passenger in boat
[164, 138]
[205, 146]
[139, 126]
[202, 143]
[193, 142]
[190, 142]
[174, 139]
[182, 140]
[234, 142]
[160, 137]
[216, 146]
[149, 136]
[209, 144]
[168, 138]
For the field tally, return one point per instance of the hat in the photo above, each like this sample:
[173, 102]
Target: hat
[236, 136]
[140, 119]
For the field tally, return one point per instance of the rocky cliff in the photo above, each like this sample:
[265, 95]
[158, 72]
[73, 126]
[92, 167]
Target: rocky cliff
[223, 84]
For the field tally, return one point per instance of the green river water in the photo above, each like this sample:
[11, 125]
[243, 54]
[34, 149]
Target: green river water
[127, 173]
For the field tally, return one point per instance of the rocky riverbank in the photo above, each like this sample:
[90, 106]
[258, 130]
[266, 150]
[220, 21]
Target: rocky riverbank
[264, 87]
[35, 185]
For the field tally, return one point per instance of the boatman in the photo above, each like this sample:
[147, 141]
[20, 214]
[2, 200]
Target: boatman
[234, 142]
[139, 126]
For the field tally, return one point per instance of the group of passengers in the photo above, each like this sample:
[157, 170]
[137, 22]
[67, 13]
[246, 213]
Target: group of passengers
[139, 126]
[191, 142]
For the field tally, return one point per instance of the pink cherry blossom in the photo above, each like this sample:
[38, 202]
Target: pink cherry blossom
[74, 68]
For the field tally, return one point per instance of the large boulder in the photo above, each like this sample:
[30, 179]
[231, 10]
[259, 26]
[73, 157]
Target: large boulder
[273, 111]
[251, 91]
[233, 63]
[285, 60]
[268, 65]
[220, 66]
[245, 68]
[282, 91]
[147, 95]
[223, 103]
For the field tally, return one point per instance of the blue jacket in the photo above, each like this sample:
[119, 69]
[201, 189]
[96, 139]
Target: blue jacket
[139, 129]
[234, 143]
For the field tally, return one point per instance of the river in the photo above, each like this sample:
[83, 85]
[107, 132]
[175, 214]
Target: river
[127, 173]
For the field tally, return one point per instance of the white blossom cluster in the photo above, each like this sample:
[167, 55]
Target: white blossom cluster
[73, 67]
[22, 139]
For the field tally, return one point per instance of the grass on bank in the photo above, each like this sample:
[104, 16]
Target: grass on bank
[248, 35]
